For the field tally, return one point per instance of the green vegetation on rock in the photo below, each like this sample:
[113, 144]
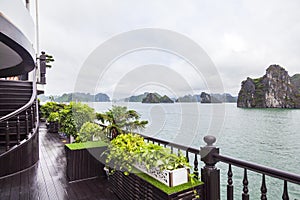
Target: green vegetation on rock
[276, 89]
[138, 98]
[296, 81]
[77, 96]
[156, 98]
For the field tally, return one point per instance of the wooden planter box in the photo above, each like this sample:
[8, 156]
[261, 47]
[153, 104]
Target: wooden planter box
[168, 177]
[85, 162]
[133, 186]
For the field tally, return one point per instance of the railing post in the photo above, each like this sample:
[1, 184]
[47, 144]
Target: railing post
[196, 173]
[7, 136]
[26, 124]
[210, 175]
[263, 188]
[229, 184]
[32, 118]
[18, 129]
[245, 195]
[285, 195]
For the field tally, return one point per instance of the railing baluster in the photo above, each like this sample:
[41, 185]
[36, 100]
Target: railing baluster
[196, 167]
[32, 119]
[187, 156]
[263, 188]
[285, 195]
[34, 113]
[245, 195]
[18, 129]
[26, 124]
[230, 184]
[7, 136]
[178, 151]
[171, 149]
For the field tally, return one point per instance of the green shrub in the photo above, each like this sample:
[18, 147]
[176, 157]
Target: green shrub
[90, 131]
[128, 149]
[82, 113]
[67, 123]
[50, 107]
[73, 116]
[53, 117]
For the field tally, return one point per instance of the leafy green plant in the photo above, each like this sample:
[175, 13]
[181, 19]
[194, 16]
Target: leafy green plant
[172, 161]
[67, 122]
[82, 113]
[90, 131]
[73, 116]
[53, 117]
[120, 119]
[128, 149]
[50, 107]
[123, 150]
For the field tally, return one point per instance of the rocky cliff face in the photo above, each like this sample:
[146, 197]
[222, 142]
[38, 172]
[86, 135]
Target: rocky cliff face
[296, 81]
[274, 90]
[205, 98]
[151, 98]
[156, 98]
[166, 99]
[208, 98]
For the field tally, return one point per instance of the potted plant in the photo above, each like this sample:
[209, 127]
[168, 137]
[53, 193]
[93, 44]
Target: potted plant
[83, 160]
[73, 116]
[53, 121]
[129, 151]
[161, 164]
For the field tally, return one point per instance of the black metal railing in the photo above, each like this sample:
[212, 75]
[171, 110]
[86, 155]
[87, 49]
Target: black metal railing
[21, 137]
[210, 174]
[29, 115]
[211, 153]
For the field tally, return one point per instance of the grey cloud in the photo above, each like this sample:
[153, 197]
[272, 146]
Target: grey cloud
[70, 30]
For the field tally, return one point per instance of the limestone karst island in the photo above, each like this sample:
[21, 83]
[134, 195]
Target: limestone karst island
[276, 89]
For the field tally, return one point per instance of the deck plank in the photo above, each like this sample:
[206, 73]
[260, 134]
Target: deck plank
[15, 187]
[47, 179]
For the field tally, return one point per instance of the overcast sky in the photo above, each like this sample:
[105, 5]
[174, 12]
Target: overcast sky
[241, 37]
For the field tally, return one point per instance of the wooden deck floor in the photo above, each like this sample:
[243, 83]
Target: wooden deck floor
[47, 180]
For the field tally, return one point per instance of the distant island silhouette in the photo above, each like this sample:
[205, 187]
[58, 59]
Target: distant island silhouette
[146, 97]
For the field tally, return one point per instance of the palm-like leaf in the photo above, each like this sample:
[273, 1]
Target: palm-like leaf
[120, 119]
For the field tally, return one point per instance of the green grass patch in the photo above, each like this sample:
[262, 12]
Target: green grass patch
[86, 145]
[166, 189]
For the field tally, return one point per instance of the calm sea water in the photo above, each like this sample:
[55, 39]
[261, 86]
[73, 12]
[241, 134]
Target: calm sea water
[270, 137]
